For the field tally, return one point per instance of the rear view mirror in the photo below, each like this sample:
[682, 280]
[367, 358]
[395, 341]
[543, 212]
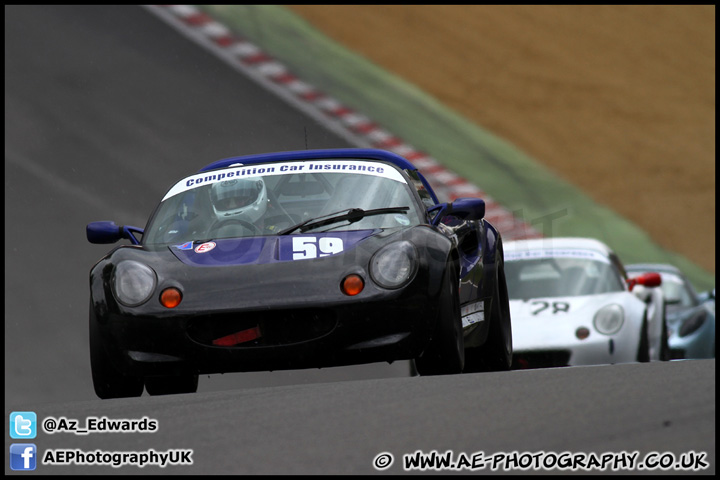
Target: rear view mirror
[463, 208]
[103, 232]
[110, 232]
[468, 208]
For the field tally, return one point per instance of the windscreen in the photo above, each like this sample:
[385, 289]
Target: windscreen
[559, 273]
[267, 199]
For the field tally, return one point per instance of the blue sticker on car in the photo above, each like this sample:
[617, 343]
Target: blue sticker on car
[185, 246]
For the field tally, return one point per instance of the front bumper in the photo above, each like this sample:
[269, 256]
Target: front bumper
[274, 339]
[602, 350]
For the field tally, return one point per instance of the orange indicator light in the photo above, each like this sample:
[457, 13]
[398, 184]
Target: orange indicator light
[582, 333]
[352, 284]
[170, 297]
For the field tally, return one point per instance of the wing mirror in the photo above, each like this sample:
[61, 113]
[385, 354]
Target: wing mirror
[650, 279]
[465, 208]
[109, 232]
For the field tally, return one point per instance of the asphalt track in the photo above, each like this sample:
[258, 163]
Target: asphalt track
[105, 107]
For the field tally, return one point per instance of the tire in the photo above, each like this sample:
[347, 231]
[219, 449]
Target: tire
[495, 355]
[445, 355]
[665, 354]
[643, 354]
[171, 385]
[108, 381]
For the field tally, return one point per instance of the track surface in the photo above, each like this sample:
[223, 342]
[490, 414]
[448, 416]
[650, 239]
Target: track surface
[105, 107]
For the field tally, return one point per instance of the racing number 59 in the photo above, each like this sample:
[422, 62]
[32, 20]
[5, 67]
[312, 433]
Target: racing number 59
[308, 247]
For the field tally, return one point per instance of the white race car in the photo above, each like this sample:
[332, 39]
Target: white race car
[571, 303]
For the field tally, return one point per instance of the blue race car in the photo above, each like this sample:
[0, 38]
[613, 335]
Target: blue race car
[690, 316]
[291, 260]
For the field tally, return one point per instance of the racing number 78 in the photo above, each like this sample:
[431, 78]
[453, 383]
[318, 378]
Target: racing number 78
[556, 306]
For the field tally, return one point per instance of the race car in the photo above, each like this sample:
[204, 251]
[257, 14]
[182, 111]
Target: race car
[572, 303]
[690, 315]
[299, 259]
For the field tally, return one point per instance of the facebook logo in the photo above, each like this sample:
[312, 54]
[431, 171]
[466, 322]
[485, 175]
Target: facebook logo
[23, 425]
[22, 456]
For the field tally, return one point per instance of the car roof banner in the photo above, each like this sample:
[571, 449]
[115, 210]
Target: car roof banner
[361, 167]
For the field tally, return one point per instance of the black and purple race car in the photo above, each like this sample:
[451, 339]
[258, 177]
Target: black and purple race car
[291, 260]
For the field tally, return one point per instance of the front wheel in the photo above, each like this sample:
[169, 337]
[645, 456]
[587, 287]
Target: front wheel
[664, 343]
[171, 385]
[446, 353]
[108, 381]
[643, 354]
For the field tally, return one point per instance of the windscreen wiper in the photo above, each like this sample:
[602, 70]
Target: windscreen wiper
[352, 215]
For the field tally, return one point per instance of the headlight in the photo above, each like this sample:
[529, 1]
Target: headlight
[394, 265]
[133, 282]
[609, 319]
[692, 324]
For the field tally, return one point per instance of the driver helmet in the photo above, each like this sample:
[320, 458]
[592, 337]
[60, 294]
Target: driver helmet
[245, 198]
